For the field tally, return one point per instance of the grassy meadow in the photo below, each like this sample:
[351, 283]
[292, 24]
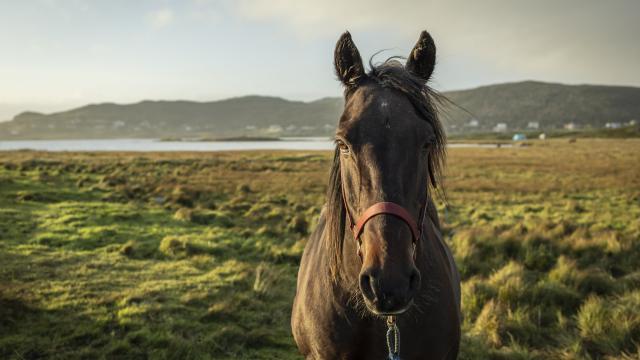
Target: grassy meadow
[195, 255]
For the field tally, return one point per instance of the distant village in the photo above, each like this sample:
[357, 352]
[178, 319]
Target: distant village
[289, 130]
[475, 126]
[472, 126]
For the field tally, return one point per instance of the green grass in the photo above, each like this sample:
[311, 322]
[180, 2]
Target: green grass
[185, 255]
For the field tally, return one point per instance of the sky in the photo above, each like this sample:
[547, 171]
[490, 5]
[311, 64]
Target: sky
[58, 54]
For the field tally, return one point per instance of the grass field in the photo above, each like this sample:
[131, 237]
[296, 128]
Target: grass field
[191, 255]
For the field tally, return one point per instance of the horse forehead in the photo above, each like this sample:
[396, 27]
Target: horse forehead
[377, 106]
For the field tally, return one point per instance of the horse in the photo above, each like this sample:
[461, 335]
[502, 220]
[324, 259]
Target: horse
[377, 252]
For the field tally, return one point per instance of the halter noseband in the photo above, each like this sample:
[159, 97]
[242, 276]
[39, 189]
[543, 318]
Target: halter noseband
[386, 207]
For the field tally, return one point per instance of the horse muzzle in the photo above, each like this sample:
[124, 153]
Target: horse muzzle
[386, 295]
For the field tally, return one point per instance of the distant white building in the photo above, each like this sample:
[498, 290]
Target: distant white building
[533, 125]
[500, 127]
[250, 127]
[633, 122]
[274, 129]
[613, 125]
[570, 126]
[474, 123]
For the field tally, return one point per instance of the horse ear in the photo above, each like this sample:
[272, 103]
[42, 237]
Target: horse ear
[347, 61]
[422, 59]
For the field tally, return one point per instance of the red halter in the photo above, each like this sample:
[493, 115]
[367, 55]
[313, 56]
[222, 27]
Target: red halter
[390, 208]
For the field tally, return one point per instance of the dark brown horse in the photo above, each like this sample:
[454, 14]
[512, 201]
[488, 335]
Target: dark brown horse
[390, 150]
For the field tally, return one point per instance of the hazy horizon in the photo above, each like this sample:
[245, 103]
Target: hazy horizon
[62, 107]
[62, 54]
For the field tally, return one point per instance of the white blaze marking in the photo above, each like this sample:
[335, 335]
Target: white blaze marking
[385, 111]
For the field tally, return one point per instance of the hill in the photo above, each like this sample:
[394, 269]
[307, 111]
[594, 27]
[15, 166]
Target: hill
[550, 105]
[250, 115]
[516, 104]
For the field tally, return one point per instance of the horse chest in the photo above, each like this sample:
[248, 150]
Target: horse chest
[327, 329]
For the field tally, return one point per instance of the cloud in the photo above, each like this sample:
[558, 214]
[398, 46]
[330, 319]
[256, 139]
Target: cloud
[567, 40]
[161, 17]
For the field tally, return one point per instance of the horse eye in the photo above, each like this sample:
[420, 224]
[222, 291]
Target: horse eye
[343, 147]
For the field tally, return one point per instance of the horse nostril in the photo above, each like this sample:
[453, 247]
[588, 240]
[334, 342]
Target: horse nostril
[414, 282]
[367, 285]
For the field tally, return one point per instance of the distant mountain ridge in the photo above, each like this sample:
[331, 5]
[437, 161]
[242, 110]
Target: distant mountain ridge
[550, 106]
